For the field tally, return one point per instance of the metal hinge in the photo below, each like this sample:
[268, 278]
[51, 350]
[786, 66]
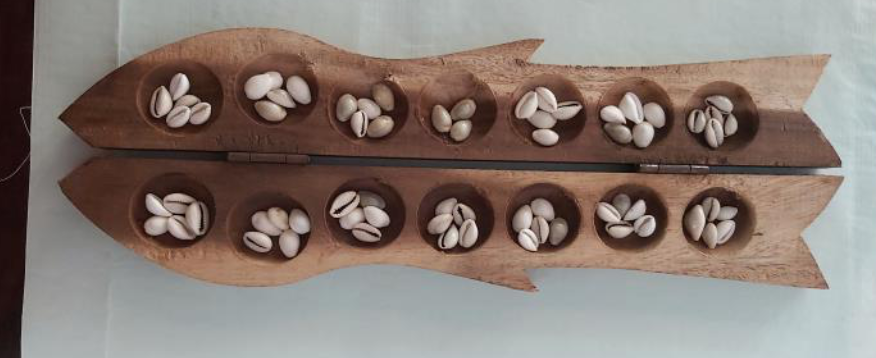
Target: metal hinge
[277, 158]
[673, 169]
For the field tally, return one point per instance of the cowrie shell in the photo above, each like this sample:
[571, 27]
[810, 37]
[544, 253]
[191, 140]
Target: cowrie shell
[275, 79]
[545, 137]
[618, 133]
[261, 223]
[270, 111]
[726, 229]
[714, 113]
[542, 207]
[178, 116]
[343, 204]
[721, 102]
[526, 106]
[636, 211]
[712, 208]
[631, 107]
[279, 218]
[366, 233]
[710, 235]
[290, 243]
[156, 206]
[547, 101]
[179, 86]
[368, 106]
[281, 98]
[461, 130]
[522, 218]
[441, 120]
[200, 113]
[352, 218]
[655, 115]
[695, 222]
[449, 239]
[359, 124]
[463, 109]
[445, 206]
[727, 213]
[619, 230]
[527, 240]
[380, 127]
[541, 228]
[155, 226]
[612, 114]
[714, 133]
[696, 121]
[559, 229]
[367, 198]
[542, 120]
[176, 226]
[731, 125]
[643, 134]
[567, 110]
[645, 226]
[198, 218]
[383, 96]
[376, 217]
[461, 213]
[608, 213]
[299, 222]
[258, 86]
[161, 102]
[177, 203]
[346, 107]
[298, 89]
[468, 233]
[188, 100]
[439, 224]
[257, 241]
[621, 203]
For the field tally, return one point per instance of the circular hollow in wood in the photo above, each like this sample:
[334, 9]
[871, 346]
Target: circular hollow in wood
[564, 90]
[287, 65]
[240, 221]
[466, 194]
[395, 208]
[447, 90]
[204, 84]
[745, 222]
[647, 91]
[655, 207]
[361, 88]
[161, 186]
[565, 206]
[743, 108]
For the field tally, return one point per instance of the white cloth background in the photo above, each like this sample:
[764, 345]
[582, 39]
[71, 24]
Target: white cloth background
[86, 296]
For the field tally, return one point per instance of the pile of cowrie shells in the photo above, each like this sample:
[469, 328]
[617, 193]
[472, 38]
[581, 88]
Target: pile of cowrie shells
[276, 222]
[457, 121]
[362, 213]
[622, 217]
[536, 224]
[365, 114]
[716, 122]
[181, 215]
[710, 221]
[541, 109]
[455, 223]
[645, 120]
[272, 101]
[179, 107]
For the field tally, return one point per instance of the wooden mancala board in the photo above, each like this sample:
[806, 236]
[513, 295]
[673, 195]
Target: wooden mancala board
[768, 93]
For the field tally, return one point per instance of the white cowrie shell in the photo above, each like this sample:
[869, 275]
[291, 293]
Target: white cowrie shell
[711, 207]
[279, 218]
[526, 106]
[527, 240]
[383, 96]
[347, 105]
[445, 206]
[731, 125]
[541, 228]
[727, 213]
[298, 89]
[695, 221]
[368, 106]
[710, 235]
[441, 119]
[177, 203]
[636, 211]
[696, 121]
[612, 114]
[178, 117]
[439, 224]
[631, 107]
[155, 226]
[714, 133]
[461, 130]
[161, 102]
[366, 233]
[715, 113]
[542, 120]
[645, 226]
[559, 229]
[643, 134]
[468, 233]
[281, 98]
[545, 137]
[618, 133]
[368, 198]
[343, 204]
[376, 217]
[276, 79]
[352, 218]
[726, 229]
[542, 207]
[188, 100]
[619, 230]
[567, 110]
[380, 127]
[621, 203]
[522, 218]
[258, 86]
[270, 111]
[359, 124]
[721, 102]
[462, 212]
[655, 115]
[546, 99]
[201, 113]
[179, 86]
[257, 241]
[289, 242]
[176, 226]
[449, 238]
[155, 206]
[608, 213]
[198, 218]
[261, 223]
[299, 222]
[463, 109]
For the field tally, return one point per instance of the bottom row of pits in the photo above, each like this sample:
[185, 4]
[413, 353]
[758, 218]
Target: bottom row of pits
[175, 211]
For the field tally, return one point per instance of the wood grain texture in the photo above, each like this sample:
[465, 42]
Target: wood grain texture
[109, 191]
[775, 132]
